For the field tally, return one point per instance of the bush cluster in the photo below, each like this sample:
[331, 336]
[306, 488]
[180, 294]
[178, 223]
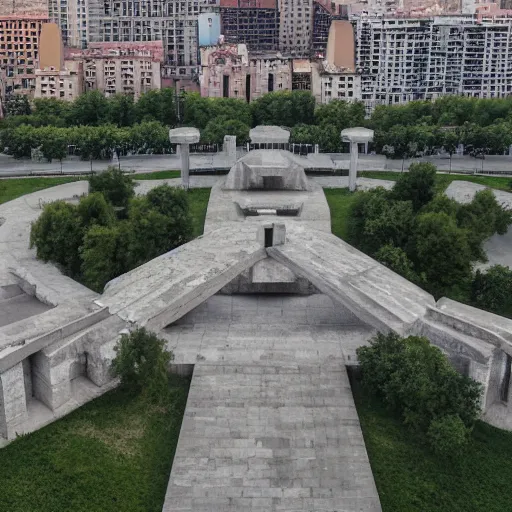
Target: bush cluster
[417, 381]
[142, 364]
[426, 237]
[111, 232]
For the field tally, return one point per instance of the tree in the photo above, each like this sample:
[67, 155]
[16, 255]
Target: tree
[417, 186]
[94, 209]
[157, 105]
[142, 364]
[117, 187]
[492, 290]
[441, 250]
[17, 105]
[397, 260]
[121, 110]
[57, 236]
[376, 220]
[284, 108]
[199, 111]
[89, 109]
[51, 108]
[54, 143]
[103, 255]
[340, 115]
[218, 127]
[483, 217]
[416, 380]
[449, 140]
[159, 222]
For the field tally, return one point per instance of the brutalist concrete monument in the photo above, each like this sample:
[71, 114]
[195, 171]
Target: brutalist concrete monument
[269, 135]
[355, 136]
[184, 137]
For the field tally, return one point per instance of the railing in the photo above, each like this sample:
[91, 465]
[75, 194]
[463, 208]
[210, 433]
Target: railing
[205, 148]
[296, 148]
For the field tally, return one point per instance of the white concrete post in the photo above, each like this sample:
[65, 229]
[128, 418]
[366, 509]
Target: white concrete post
[352, 173]
[185, 165]
[13, 401]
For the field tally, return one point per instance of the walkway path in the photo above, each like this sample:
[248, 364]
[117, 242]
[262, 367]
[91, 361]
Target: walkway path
[271, 438]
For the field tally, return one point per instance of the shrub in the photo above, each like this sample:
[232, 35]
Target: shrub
[492, 290]
[448, 436]
[416, 380]
[117, 187]
[396, 259]
[142, 364]
[57, 235]
[417, 185]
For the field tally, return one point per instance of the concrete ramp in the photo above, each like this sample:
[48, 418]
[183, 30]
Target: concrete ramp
[271, 438]
[374, 293]
[166, 288]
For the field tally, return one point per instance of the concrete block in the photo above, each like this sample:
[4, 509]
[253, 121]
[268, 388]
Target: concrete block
[13, 401]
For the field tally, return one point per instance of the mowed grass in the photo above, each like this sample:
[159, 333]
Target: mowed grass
[13, 188]
[112, 455]
[443, 180]
[410, 478]
[339, 200]
[198, 201]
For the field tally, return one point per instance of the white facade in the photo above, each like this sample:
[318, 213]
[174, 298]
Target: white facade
[340, 86]
[401, 60]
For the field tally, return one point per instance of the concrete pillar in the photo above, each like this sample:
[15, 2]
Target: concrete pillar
[13, 401]
[185, 165]
[352, 173]
[229, 148]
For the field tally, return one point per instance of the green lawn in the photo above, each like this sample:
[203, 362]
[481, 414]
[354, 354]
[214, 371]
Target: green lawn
[198, 200]
[112, 455]
[15, 187]
[12, 188]
[443, 180]
[410, 479]
[159, 175]
[339, 200]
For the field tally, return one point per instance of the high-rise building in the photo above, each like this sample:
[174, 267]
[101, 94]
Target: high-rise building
[19, 52]
[296, 26]
[404, 59]
[55, 77]
[127, 68]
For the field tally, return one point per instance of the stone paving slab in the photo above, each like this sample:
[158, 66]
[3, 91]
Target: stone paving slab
[271, 438]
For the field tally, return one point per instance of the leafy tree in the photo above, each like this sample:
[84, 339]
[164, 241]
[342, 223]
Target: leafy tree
[117, 187]
[89, 109]
[103, 255]
[94, 209]
[218, 127]
[397, 260]
[340, 115]
[326, 136]
[284, 108]
[121, 110]
[57, 236]
[376, 220]
[159, 222]
[416, 380]
[157, 105]
[448, 436]
[417, 185]
[53, 142]
[17, 105]
[51, 108]
[492, 290]
[199, 111]
[441, 203]
[482, 218]
[441, 251]
[142, 364]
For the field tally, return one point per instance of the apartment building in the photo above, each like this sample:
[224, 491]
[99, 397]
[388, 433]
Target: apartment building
[19, 52]
[55, 77]
[254, 23]
[296, 26]
[24, 7]
[404, 59]
[127, 68]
